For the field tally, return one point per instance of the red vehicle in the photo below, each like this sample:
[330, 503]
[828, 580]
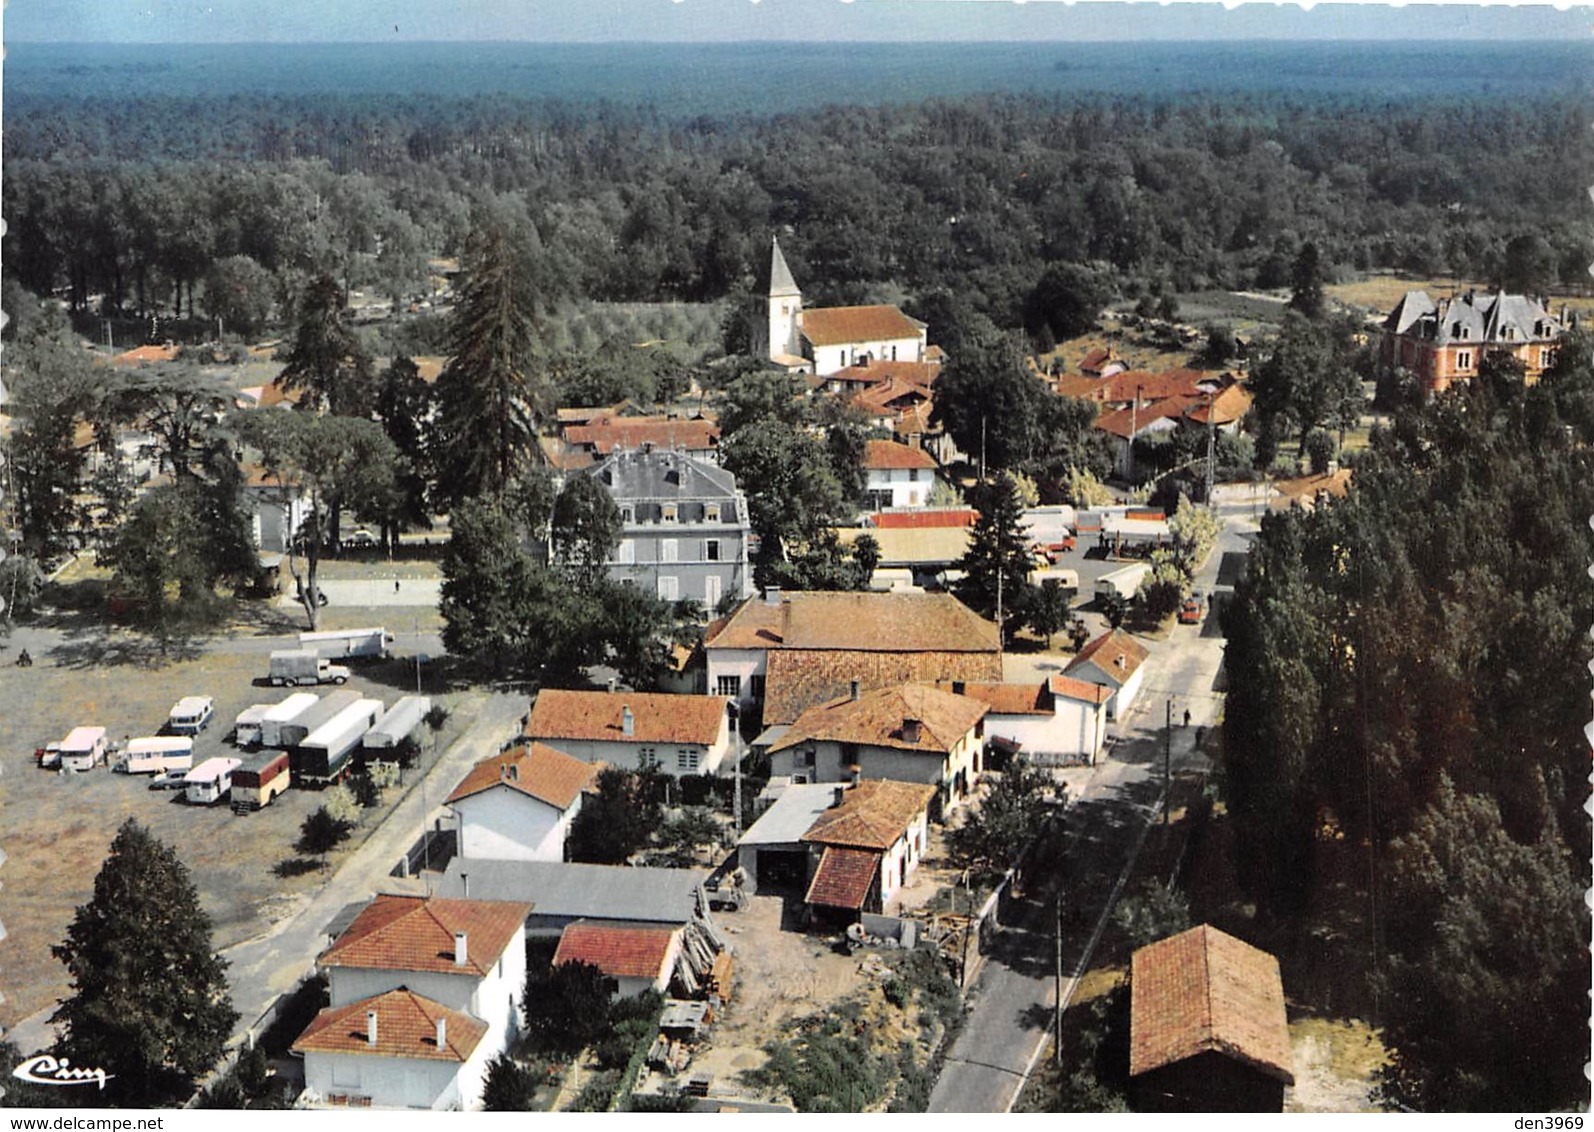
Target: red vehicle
[1191, 611]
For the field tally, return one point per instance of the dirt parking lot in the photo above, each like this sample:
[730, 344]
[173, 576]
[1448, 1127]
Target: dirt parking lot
[58, 826]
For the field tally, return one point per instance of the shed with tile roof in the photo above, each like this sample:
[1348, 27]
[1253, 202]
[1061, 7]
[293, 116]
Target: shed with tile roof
[638, 957]
[1208, 1028]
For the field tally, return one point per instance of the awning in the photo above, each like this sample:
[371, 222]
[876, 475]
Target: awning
[844, 878]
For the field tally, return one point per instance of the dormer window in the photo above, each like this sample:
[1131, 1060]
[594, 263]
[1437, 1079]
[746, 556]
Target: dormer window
[1461, 332]
[671, 513]
[711, 512]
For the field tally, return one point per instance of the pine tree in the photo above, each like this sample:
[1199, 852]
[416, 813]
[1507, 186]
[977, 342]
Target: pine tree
[328, 360]
[998, 548]
[150, 1003]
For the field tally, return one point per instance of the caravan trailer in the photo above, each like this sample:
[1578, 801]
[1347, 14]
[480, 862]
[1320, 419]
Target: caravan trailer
[258, 780]
[83, 748]
[157, 753]
[210, 781]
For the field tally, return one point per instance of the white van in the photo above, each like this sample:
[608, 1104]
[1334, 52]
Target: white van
[210, 781]
[190, 715]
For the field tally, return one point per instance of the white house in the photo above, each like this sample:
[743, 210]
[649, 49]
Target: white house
[896, 475]
[1060, 718]
[518, 806]
[638, 957]
[828, 339]
[865, 847]
[673, 734]
[1116, 660]
[909, 733]
[405, 965]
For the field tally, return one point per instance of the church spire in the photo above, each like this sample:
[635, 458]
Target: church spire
[781, 284]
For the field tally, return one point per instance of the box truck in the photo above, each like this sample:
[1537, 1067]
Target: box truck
[1124, 583]
[190, 715]
[259, 779]
[292, 667]
[398, 723]
[286, 712]
[344, 643]
[324, 755]
[157, 753]
[83, 748]
[210, 781]
[296, 730]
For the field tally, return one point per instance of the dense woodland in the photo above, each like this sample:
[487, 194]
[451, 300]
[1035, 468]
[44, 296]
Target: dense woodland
[141, 202]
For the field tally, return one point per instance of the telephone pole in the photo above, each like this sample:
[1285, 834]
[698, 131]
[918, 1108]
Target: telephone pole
[1167, 764]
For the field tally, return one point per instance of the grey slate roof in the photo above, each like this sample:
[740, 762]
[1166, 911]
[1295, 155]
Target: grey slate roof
[780, 280]
[1485, 319]
[792, 815]
[648, 479]
[570, 891]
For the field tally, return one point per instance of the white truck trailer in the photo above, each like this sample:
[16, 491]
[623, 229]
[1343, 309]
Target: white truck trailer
[298, 729]
[292, 667]
[397, 724]
[324, 755]
[343, 643]
[157, 753]
[1124, 583]
[272, 723]
[210, 781]
[83, 748]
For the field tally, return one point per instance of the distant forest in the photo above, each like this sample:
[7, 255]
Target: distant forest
[134, 202]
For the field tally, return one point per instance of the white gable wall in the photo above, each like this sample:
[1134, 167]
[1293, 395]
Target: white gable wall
[502, 824]
[395, 1082]
[829, 359]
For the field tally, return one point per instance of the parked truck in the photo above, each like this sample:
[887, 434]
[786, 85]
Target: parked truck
[258, 780]
[290, 709]
[1124, 583]
[298, 729]
[210, 781]
[190, 715]
[324, 755]
[344, 643]
[157, 753]
[398, 723]
[83, 748]
[292, 667]
[246, 728]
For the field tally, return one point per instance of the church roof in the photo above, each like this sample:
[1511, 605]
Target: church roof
[833, 326]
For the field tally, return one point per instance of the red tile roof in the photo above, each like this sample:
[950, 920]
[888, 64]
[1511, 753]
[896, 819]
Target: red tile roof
[535, 770]
[924, 518]
[1119, 421]
[1228, 406]
[888, 455]
[693, 434]
[1072, 385]
[798, 679]
[844, 878]
[832, 326]
[406, 1026]
[1122, 387]
[621, 951]
[881, 719]
[657, 717]
[862, 622]
[874, 814]
[1203, 990]
[892, 396]
[410, 933]
[145, 355]
[1093, 361]
[1115, 653]
[1005, 699]
[874, 372]
[1085, 690]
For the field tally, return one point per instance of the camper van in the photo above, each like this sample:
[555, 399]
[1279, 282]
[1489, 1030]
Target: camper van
[157, 753]
[83, 748]
[190, 715]
[210, 781]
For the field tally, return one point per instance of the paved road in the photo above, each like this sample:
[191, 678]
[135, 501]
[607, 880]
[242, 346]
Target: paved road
[1111, 808]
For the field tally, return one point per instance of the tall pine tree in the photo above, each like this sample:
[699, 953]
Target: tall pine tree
[998, 549]
[149, 1002]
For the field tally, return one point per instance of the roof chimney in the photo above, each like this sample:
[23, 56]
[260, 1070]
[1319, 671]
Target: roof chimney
[838, 794]
[461, 951]
[370, 1027]
[958, 687]
[856, 691]
[442, 1033]
[771, 595]
[910, 730]
[627, 720]
[514, 772]
[464, 885]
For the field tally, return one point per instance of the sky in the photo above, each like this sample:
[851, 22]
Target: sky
[566, 21]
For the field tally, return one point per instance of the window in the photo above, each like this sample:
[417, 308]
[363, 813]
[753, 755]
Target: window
[686, 759]
[669, 550]
[807, 757]
[626, 515]
[669, 588]
[1464, 359]
[711, 592]
[671, 512]
[1546, 358]
[728, 686]
[913, 475]
[625, 553]
[647, 758]
[711, 512]
[711, 549]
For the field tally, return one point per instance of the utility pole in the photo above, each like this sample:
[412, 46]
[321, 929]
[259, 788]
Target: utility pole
[1212, 441]
[1057, 984]
[1167, 764]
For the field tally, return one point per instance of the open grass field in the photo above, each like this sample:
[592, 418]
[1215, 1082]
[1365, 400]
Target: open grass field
[1378, 294]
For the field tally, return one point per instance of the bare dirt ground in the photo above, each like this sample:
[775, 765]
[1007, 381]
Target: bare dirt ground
[58, 827]
[1335, 1062]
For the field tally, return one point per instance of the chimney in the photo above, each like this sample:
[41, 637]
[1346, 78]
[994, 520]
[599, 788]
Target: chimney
[958, 687]
[838, 794]
[514, 772]
[370, 1027]
[464, 885]
[442, 1033]
[461, 951]
[910, 730]
[771, 595]
[614, 682]
[627, 720]
[856, 691]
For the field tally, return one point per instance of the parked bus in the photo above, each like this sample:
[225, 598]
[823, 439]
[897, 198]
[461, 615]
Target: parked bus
[258, 780]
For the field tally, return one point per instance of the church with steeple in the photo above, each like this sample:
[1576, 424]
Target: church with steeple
[826, 340]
